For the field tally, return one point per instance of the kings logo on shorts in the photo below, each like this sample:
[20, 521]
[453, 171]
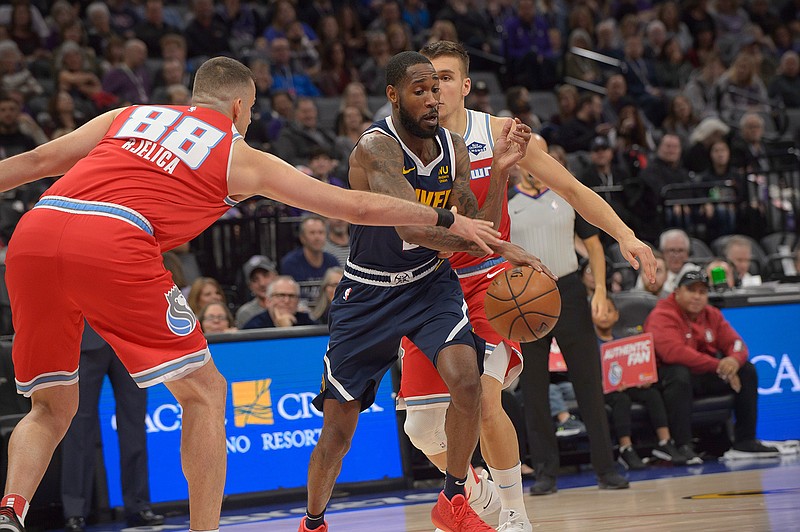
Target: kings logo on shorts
[180, 318]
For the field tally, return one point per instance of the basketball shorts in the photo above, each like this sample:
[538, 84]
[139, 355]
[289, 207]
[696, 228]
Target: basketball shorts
[420, 384]
[63, 267]
[368, 321]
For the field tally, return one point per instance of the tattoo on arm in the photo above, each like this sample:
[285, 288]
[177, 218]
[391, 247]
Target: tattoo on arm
[462, 196]
[382, 159]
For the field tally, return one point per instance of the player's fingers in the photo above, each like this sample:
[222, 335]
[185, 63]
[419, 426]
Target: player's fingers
[507, 127]
[547, 271]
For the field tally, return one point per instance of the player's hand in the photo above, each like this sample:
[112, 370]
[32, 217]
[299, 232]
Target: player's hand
[519, 257]
[478, 231]
[511, 145]
[639, 255]
[599, 304]
[727, 368]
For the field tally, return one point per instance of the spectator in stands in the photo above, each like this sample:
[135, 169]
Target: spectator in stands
[579, 67]
[561, 393]
[283, 16]
[178, 94]
[641, 79]
[131, 82]
[259, 272]
[784, 40]
[674, 244]
[567, 100]
[206, 35]
[398, 38]
[281, 113]
[338, 240]
[308, 263]
[75, 74]
[530, 56]
[664, 169]
[656, 288]
[796, 256]
[355, 40]
[616, 97]
[681, 119]
[323, 167]
[720, 219]
[518, 105]
[740, 89]
[474, 30]
[786, 85]
[243, 22]
[748, 151]
[655, 34]
[62, 15]
[123, 17]
[443, 30]
[669, 13]
[285, 75]
[672, 69]
[152, 28]
[283, 295]
[173, 72]
[305, 56]
[700, 89]
[739, 252]
[479, 98]
[12, 140]
[352, 125]
[337, 70]
[174, 47]
[21, 30]
[710, 130]
[204, 290]
[418, 17]
[373, 69]
[299, 138]
[62, 116]
[216, 318]
[14, 73]
[608, 39]
[697, 17]
[315, 10]
[606, 172]
[328, 31]
[322, 305]
[577, 133]
[98, 27]
[700, 354]
[631, 137]
[763, 15]
[621, 401]
[354, 95]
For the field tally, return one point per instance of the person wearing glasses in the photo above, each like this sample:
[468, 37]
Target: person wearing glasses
[284, 297]
[216, 318]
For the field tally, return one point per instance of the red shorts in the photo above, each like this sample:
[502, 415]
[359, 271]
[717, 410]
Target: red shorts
[62, 267]
[420, 384]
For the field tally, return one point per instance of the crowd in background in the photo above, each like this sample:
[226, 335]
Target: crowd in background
[649, 96]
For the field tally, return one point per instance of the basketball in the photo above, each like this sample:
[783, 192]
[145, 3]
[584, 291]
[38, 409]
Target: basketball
[522, 304]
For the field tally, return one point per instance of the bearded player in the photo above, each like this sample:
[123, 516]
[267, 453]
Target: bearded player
[422, 392]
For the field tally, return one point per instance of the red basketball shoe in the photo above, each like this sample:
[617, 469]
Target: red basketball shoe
[303, 528]
[457, 516]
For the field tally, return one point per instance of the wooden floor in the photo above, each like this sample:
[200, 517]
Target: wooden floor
[765, 499]
[712, 497]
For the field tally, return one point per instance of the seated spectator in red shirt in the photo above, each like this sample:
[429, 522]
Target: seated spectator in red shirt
[700, 354]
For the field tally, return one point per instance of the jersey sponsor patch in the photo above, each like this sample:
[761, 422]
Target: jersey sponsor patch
[180, 318]
[476, 148]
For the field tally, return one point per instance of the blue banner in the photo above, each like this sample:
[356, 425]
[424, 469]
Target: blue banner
[271, 426]
[772, 335]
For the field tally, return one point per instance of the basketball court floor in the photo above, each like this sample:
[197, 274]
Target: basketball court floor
[761, 495]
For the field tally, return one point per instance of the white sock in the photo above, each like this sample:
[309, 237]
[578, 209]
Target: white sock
[509, 487]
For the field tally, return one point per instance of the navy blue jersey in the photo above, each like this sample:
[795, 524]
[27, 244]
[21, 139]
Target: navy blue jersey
[380, 248]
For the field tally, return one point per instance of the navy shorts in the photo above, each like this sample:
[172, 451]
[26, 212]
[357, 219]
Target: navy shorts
[367, 323]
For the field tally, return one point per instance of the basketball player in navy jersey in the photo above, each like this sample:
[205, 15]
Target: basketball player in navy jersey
[395, 285]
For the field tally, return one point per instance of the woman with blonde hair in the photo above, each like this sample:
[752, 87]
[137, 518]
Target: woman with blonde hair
[205, 290]
[328, 286]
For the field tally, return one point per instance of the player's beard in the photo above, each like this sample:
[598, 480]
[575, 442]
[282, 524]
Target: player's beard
[414, 127]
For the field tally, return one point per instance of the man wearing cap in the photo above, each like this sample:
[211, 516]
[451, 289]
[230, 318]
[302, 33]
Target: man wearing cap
[700, 354]
[260, 272]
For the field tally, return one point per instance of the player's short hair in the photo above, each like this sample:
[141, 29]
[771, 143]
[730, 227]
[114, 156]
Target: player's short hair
[447, 49]
[397, 67]
[221, 78]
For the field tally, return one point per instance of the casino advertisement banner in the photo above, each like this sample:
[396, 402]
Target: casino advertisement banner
[772, 336]
[271, 425]
[628, 362]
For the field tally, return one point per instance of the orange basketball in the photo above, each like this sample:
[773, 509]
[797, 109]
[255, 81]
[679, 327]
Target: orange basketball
[522, 304]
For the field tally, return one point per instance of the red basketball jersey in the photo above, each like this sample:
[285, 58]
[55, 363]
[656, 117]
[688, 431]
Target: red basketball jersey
[168, 163]
[480, 145]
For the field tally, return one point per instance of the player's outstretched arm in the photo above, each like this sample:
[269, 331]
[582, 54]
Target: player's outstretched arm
[54, 158]
[257, 173]
[591, 206]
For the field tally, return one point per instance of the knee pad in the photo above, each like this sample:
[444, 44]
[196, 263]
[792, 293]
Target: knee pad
[496, 362]
[425, 429]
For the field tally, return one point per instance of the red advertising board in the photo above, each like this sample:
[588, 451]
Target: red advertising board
[628, 362]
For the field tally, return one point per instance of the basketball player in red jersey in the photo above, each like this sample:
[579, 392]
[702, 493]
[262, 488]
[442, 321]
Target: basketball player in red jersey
[138, 181]
[423, 394]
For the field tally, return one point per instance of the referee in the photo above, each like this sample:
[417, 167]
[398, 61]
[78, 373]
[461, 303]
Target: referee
[545, 224]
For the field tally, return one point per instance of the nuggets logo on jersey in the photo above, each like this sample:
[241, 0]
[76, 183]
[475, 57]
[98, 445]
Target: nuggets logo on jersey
[180, 318]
